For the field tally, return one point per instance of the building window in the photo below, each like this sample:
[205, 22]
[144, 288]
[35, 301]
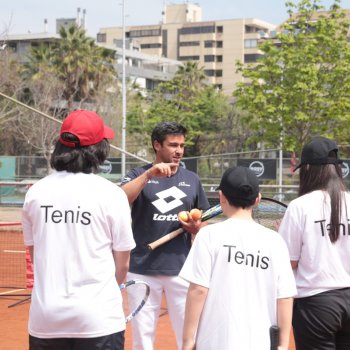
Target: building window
[209, 72]
[218, 86]
[189, 43]
[13, 47]
[151, 46]
[219, 58]
[151, 84]
[213, 43]
[209, 58]
[251, 58]
[189, 58]
[101, 37]
[213, 72]
[250, 29]
[250, 43]
[144, 32]
[219, 29]
[197, 30]
[209, 43]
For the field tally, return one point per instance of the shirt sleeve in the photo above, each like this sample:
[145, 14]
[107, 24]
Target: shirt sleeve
[286, 286]
[121, 224]
[27, 226]
[198, 265]
[290, 230]
[133, 174]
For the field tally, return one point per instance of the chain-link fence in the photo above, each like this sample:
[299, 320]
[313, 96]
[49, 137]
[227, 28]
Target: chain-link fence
[17, 173]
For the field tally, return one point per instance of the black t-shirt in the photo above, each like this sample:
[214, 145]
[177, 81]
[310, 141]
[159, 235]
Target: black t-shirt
[154, 214]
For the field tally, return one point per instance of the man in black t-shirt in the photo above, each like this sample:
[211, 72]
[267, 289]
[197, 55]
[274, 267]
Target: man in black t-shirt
[158, 192]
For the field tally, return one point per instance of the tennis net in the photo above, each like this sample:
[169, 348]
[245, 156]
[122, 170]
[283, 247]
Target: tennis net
[13, 274]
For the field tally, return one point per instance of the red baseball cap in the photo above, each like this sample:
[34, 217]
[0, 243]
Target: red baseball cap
[87, 126]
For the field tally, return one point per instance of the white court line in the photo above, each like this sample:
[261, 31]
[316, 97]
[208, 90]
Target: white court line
[12, 291]
[14, 251]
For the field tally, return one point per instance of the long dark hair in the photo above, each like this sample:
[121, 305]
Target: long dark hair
[79, 159]
[326, 177]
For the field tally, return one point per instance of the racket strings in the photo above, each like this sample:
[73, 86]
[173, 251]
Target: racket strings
[269, 213]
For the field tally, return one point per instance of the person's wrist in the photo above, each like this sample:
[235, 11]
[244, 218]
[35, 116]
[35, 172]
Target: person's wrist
[148, 175]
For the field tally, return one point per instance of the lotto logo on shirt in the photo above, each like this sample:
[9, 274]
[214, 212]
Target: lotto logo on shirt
[169, 199]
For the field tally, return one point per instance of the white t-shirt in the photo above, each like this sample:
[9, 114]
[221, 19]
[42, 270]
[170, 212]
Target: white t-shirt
[246, 268]
[322, 265]
[74, 221]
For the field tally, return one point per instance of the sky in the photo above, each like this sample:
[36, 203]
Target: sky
[23, 16]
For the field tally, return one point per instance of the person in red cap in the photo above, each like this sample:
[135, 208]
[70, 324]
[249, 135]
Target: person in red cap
[77, 227]
[317, 232]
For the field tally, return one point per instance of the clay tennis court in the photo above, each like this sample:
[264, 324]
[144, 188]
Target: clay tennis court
[13, 321]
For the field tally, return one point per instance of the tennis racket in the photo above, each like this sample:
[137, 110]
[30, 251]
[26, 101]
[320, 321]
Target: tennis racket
[142, 289]
[274, 337]
[208, 214]
[269, 212]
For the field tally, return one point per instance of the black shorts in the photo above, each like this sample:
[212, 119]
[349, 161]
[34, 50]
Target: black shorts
[322, 321]
[113, 341]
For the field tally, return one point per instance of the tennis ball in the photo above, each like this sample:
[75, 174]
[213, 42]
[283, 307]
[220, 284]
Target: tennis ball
[196, 214]
[183, 215]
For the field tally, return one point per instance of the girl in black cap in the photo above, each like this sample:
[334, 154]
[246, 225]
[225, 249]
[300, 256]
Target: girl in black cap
[316, 230]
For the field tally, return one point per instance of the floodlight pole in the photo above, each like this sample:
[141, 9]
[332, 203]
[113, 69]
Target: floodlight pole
[280, 182]
[123, 145]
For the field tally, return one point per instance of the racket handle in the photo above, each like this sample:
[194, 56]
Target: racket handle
[168, 237]
[274, 337]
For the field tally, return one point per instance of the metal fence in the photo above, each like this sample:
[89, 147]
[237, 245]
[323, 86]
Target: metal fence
[18, 173]
[276, 176]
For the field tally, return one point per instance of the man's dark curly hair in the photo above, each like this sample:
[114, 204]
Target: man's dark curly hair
[163, 129]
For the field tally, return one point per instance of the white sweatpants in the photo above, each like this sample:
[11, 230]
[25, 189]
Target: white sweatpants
[145, 323]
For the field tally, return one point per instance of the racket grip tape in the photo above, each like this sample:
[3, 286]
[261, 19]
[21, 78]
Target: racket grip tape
[274, 337]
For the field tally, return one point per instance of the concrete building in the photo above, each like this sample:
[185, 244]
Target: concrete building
[145, 70]
[183, 36]
[21, 43]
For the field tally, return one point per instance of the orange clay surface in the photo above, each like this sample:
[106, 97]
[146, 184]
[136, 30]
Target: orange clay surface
[14, 335]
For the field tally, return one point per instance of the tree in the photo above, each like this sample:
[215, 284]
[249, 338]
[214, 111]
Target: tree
[187, 99]
[81, 64]
[301, 85]
[11, 84]
[76, 60]
[56, 78]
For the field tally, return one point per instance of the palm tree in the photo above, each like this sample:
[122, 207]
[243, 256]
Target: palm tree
[191, 77]
[39, 60]
[80, 64]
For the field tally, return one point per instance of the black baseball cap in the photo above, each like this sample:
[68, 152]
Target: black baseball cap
[239, 183]
[317, 152]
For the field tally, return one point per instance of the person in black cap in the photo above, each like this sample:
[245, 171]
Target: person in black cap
[77, 227]
[316, 230]
[241, 281]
